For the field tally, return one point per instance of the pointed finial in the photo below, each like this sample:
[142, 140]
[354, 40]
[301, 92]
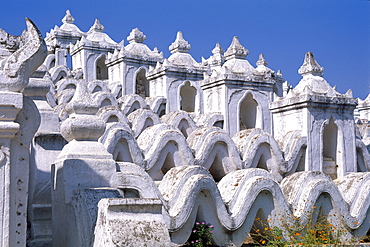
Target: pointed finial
[97, 27]
[180, 44]
[310, 66]
[218, 49]
[236, 50]
[261, 60]
[82, 102]
[136, 36]
[82, 124]
[68, 18]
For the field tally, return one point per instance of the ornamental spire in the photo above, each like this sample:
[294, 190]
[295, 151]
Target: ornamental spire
[218, 49]
[82, 102]
[68, 18]
[97, 27]
[310, 66]
[261, 60]
[180, 44]
[236, 50]
[136, 36]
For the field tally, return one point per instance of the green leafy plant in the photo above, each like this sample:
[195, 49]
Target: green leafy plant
[316, 232]
[201, 235]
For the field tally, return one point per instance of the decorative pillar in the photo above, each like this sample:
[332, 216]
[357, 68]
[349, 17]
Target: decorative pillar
[83, 163]
[20, 62]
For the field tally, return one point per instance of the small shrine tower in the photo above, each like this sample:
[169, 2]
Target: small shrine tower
[238, 89]
[130, 65]
[325, 117]
[178, 79]
[90, 53]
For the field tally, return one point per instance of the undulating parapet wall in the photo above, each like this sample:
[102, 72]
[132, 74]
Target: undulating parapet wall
[189, 194]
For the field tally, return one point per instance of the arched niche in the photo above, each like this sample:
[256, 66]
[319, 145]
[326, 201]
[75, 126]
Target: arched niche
[301, 166]
[122, 152]
[361, 167]
[52, 64]
[330, 149]
[187, 97]
[101, 69]
[134, 107]
[161, 110]
[258, 228]
[142, 84]
[263, 157]
[248, 113]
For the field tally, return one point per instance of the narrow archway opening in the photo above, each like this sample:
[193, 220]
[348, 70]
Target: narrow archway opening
[97, 89]
[360, 161]
[70, 86]
[113, 119]
[302, 160]
[142, 84]
[122, 152]
[330, 144]
[168, 163]
[161, 110]
[101, 69]
[262, 162]
[61, 76]
[248, 113]
[130, 193]
[187, 97]
[257, 232]
[105, 102]
[148, 122]
[219, 124]
[134, 107]
[300, 166]
[119, 94]
[52, 64]
[183, 127]
[216, 169]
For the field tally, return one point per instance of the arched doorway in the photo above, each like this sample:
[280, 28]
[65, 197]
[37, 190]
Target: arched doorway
[187, 97]
[248, 113]
[142, 85]
[101, 69]
[330, 146]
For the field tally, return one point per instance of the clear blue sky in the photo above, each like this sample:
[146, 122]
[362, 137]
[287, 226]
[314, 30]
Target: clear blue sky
[336, 31]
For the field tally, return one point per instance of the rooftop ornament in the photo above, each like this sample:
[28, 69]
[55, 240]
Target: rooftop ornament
[310, 66]
[236, 50]
[68, 18]
[97, 27]
[136, 36]
[180, 44]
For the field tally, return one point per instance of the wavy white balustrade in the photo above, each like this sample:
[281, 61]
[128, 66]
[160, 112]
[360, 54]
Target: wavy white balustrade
[180, 120]
[142, 119]
[164, 147]
[214, 150]
[190, 194]
[131, 102]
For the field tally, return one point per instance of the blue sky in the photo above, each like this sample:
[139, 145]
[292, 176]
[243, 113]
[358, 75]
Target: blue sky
[336, 31]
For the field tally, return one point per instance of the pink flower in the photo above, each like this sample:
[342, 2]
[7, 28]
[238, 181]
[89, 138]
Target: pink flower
[211, 231]
[192, 242]
[211, 226]
[197, 223]
[203, 223]
[194, 230]
[196, 241]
